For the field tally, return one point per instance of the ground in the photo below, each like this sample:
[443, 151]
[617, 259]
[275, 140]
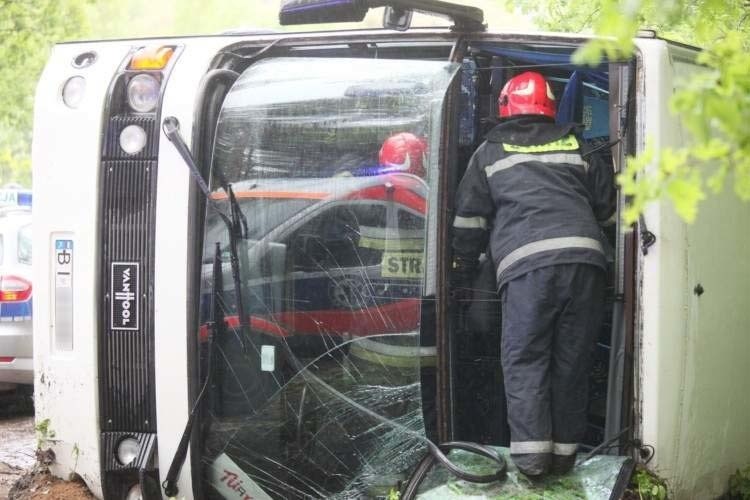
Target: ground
[16, 450]
[40, 485]
[19, 478]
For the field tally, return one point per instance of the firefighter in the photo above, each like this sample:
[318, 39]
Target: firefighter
[404, 152]
[530, 195]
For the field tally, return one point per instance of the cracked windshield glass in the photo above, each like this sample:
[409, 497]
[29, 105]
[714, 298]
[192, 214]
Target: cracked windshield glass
[326, 390]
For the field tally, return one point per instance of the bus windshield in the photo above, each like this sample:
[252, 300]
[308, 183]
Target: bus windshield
[334, 165]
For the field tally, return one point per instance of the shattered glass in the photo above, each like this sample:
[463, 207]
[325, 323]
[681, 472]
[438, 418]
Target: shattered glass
[594, 479]
[322, 396]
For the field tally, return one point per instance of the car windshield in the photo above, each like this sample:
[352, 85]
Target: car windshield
[275, 210]
[328, 391]
[24, 244]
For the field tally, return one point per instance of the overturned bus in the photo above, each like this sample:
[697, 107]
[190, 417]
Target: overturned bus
[241, 299]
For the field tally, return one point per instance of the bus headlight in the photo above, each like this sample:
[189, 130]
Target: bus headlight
[127, 451]
[143, 93]
[134, 493]
[73, 91]
[132, 139]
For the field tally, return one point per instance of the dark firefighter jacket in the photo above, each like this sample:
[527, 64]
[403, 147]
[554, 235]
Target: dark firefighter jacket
[528, 189]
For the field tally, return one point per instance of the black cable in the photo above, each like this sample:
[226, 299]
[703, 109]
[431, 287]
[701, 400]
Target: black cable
[435, 451]
[478, 449]
[651, 454]
[602, 446]
[645, 451]
[410, 487]
[606, 145]
[255, 55]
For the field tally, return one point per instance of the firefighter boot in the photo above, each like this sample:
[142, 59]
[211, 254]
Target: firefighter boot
[532, 465]
[562, 464]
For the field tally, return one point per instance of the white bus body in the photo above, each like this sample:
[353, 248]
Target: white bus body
[689, 346]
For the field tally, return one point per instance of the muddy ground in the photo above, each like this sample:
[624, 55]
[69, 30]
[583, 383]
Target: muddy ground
[20, 479]
[17, 446]
[40, 485]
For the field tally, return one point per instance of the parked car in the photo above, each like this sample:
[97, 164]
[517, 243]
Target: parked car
[16, 345]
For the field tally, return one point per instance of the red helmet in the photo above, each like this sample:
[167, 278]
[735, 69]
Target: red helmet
[404, 152]
[526, 94]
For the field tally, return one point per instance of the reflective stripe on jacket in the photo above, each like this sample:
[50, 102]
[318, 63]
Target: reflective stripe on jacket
[530, 194]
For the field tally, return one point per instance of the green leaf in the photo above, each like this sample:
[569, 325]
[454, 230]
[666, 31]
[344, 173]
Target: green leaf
[711, 150]
[713, 104]
[685, 194]
[716, 181]
[29, 29]
[662, 492]
[742, 175]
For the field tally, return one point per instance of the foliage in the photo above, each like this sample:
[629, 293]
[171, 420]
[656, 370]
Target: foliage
[27, 30]
[118, 19]
[647, 486]
[76, 454]
[714, 104]
[44, 433]
[739, 484]
[15, 160]
[714, 108]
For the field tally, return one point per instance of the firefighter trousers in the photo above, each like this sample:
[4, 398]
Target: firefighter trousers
[551, 318]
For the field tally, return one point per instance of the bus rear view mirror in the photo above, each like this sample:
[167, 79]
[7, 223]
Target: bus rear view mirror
[322, 11]
[398, 13]
[397, 18]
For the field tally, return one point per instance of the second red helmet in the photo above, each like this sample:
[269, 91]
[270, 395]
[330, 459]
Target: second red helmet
[526, 94]
[404, 152]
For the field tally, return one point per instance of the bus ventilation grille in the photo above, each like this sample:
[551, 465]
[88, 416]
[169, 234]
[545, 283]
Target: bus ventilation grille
[126, 340]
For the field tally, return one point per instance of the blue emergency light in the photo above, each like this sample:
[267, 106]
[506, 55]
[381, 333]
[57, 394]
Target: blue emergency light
[24, 199]
[13, 197]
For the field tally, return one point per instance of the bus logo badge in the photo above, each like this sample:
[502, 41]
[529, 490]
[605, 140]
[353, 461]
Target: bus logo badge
[124, 293]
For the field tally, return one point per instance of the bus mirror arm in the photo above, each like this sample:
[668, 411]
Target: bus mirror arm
[171, 128]
[238, 223]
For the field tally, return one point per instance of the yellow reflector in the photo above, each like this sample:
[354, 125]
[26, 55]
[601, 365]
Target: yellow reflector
[151, 58]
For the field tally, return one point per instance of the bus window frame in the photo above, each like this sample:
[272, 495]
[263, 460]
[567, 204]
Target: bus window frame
[447, 153]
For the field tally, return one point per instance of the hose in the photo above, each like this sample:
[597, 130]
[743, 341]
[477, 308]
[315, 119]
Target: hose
[411, 486]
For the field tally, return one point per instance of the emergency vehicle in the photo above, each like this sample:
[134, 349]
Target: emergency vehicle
[237, 297]
[16, 341]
